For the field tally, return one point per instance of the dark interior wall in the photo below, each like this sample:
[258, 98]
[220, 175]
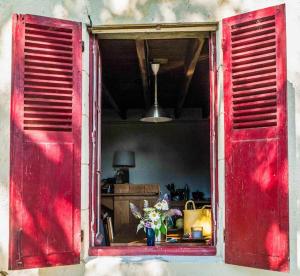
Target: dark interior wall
[177, 152]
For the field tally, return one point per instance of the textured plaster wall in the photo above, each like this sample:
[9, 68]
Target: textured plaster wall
[150, 11]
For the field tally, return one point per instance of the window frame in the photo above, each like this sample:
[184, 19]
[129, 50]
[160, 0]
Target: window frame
[155, 31]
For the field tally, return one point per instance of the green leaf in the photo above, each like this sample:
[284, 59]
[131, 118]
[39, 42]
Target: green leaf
[163, 229]
[156, 232]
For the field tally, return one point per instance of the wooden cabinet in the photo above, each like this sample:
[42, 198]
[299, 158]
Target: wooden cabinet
[124, 222]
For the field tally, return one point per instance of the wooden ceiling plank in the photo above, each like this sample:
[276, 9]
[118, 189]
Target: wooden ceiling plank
[140, 49]
[113, 103]
[193, 54]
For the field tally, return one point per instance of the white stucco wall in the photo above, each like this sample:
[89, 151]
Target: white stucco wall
[149, 11]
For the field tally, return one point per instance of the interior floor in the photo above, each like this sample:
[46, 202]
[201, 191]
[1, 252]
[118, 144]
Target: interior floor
[172, 158]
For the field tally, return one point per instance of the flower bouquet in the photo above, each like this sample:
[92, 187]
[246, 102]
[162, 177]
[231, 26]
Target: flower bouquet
[154, 218]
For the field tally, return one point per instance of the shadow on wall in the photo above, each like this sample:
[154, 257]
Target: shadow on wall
[294, 174]
[138, 266]
[121, 11]
[151, 11]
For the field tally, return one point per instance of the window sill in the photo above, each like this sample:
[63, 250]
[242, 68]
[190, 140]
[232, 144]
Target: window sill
[153, 250]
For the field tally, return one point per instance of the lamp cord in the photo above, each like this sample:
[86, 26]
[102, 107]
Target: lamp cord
[155, 90]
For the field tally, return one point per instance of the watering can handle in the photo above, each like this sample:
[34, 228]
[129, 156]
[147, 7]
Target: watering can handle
[190, 201]
[205, 206]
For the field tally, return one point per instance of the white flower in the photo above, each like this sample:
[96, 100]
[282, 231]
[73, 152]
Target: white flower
[148, 209]
[146, 203]
[158, 206]
[164, 205]
[154, 216]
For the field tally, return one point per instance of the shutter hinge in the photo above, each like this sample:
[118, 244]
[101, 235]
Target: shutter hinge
[81, 235]
[82, 46]
[224, 235]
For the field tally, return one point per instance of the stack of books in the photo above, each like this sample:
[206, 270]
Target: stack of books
[106, 233]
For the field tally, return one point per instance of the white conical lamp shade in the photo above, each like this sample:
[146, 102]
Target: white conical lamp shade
[156, 115]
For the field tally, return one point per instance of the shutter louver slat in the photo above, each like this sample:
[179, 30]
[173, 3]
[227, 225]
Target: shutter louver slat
[48, 96]
[48, 71]
[41, 76]
[52, 40]
[253, 66]
[57, 30]
[255, 98]
[254, 111]
[48, 66]
[254, 86]
[50, 52]
[33, 56]
[53, 65]
[46, 32]
[255, 72]
[257, 91]
[41, 89]
[46, 45]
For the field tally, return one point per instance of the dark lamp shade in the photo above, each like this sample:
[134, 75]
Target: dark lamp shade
[124, 159]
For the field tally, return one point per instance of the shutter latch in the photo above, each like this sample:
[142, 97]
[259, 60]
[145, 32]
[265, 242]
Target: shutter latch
[82, 46]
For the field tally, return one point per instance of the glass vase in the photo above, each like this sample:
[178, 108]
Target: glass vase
[158, 237]
[150, 234]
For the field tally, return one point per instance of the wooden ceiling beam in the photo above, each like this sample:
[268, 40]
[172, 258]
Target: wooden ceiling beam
[151, 35]
[154, 31]
[140, 50]
[115, 106]
[193, 54]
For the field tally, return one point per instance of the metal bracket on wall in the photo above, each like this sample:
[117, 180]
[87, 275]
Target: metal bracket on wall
[81, 235]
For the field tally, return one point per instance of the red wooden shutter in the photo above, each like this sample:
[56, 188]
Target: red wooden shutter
[45, 142]
[256, 227]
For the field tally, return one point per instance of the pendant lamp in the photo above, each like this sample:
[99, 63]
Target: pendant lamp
[156, 114]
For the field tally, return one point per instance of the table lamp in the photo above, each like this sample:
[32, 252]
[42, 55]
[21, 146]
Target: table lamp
[123, 160]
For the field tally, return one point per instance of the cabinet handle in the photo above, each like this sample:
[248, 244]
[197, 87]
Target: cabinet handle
[19, 247]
